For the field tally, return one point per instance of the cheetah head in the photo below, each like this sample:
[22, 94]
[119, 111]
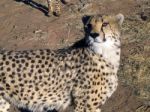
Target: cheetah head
[104, 28]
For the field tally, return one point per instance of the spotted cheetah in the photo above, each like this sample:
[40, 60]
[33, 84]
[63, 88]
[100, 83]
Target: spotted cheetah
[54, 6]
[82, 77]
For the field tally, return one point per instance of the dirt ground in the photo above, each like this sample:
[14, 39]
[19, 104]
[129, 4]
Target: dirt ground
[25, 26]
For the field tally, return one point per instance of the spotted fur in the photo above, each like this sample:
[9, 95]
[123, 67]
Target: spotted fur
[54, 7]
[4, 105]
[84, 77]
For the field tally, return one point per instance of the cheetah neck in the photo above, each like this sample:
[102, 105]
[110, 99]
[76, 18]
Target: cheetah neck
[110, 51]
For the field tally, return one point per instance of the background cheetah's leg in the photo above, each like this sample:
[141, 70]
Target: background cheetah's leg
[57, 11]
[50, 6]
[54, 7]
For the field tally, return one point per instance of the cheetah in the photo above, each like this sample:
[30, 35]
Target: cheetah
[82, 77]
[54, 7]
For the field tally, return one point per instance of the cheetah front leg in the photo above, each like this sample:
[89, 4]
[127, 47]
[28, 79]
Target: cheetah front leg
[85, 105]
[80, 108]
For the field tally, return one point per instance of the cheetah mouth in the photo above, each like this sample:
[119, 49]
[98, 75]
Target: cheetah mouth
[96, 37]
[98, 40]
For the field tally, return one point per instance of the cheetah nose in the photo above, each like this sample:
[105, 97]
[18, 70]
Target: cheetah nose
[104, 39]
[94, 35]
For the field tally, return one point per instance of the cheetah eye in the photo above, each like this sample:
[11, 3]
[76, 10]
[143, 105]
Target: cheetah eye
[105, 24]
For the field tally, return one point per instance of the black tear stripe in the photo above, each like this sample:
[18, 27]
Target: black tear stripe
[103, 31]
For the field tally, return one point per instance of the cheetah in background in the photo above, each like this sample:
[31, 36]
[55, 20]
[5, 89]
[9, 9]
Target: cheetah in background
[54, 6]
[83, 77]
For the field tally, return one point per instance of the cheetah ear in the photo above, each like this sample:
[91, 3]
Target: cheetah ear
[86, 19]
[120, 18]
